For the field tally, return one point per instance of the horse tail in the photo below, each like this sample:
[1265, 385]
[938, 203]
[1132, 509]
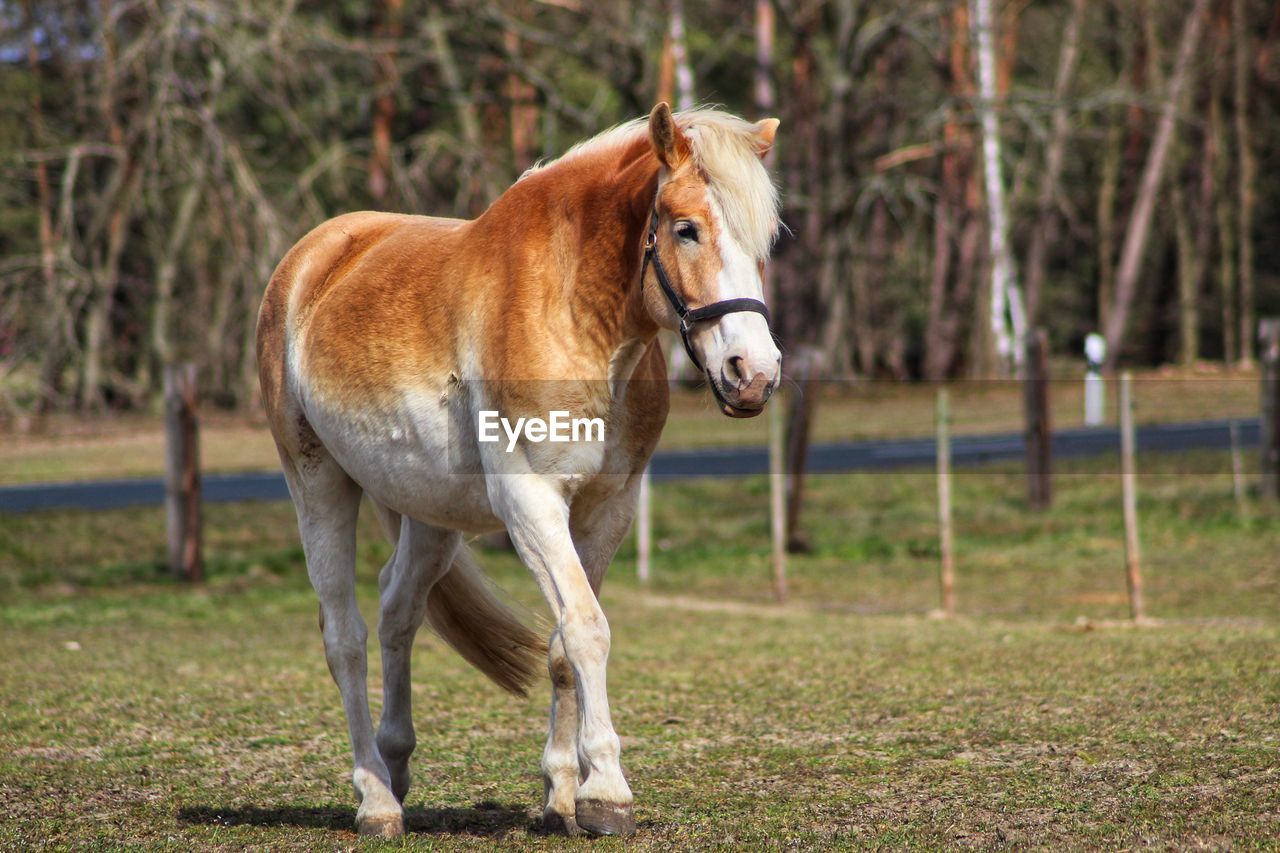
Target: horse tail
[465, 610]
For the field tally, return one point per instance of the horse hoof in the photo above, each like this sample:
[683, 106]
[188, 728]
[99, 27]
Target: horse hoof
[391, 826]
[554, 823]
[600, 818]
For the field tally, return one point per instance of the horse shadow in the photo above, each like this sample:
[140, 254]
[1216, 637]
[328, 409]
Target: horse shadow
[485, 818]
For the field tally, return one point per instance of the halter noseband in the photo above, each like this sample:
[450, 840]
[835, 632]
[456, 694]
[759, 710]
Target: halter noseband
[688, 316]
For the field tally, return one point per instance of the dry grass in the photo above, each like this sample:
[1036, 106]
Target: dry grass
[134, 712]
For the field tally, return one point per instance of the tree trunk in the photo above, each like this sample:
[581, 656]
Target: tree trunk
[1203, 234]
[386, 79]
[1193, 241]
[471, 185]
[1000, 283]
[866, 278]
[831, 197]
[1262, 65]
[1248, 176]
[1046, 229]
[106, 278]
[680, 57]
[764, 97]
[955, 226]
[939, 343]
[804, 186]
[119, 197]
[221, 283]
[680, 366]
[524, 110]
[1007, 53]
[1188, 276]
[1190, 260]
[1225, 216]
[1195, 245]
[167, 270]
[1139, 228]
[1113, 153]
[54, 308]
[1006, 319]
[667, 71]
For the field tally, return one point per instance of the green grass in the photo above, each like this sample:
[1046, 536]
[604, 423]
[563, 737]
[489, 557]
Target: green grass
[134, 711]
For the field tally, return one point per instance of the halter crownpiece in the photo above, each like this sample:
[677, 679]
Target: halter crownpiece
[688, 316]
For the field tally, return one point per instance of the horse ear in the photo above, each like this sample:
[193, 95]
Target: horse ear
[766, 130]
[668, 141]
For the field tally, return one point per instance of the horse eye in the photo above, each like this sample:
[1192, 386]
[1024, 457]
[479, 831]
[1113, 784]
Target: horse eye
[686, 230]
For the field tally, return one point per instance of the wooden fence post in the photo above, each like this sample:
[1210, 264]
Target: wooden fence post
[777, 502]
[1269, 355]
[803, 398]
[1129, 490]
[182, 472]
[1039, 428]
[947, 576]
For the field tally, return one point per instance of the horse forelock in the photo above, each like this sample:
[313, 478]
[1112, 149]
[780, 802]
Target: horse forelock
[724, 150]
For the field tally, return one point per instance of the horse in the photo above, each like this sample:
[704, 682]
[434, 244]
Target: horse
[383, 338]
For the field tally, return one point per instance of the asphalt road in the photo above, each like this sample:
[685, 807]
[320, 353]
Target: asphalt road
[684, 464]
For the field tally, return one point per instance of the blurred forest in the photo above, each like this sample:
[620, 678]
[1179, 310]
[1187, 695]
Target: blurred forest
[158, 158]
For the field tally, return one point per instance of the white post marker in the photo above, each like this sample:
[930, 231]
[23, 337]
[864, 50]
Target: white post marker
[1095, 392]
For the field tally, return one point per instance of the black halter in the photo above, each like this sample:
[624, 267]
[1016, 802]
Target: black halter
[688, 316]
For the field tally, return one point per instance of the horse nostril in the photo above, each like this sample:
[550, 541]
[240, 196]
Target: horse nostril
[735, 368]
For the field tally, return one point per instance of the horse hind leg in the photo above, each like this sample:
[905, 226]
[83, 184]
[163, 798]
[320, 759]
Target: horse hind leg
[423, 554]
[327, 501]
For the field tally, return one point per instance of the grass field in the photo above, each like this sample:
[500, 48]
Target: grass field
[76, 448]
[134, 711]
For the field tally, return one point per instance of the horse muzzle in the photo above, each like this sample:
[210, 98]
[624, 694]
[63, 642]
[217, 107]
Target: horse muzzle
[745, 399]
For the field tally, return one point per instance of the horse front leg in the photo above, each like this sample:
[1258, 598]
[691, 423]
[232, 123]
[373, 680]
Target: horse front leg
[597, 528]
[537, 519]
[560, 767]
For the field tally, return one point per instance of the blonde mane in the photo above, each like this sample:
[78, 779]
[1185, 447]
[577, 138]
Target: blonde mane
[724, 149]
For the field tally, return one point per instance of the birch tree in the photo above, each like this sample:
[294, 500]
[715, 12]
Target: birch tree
[1008, 321]
[680, 57]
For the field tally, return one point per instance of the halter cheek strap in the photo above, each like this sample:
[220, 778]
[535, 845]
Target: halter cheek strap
[689, 316]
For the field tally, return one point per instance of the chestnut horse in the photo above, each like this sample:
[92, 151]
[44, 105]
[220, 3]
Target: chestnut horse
[381, 340]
